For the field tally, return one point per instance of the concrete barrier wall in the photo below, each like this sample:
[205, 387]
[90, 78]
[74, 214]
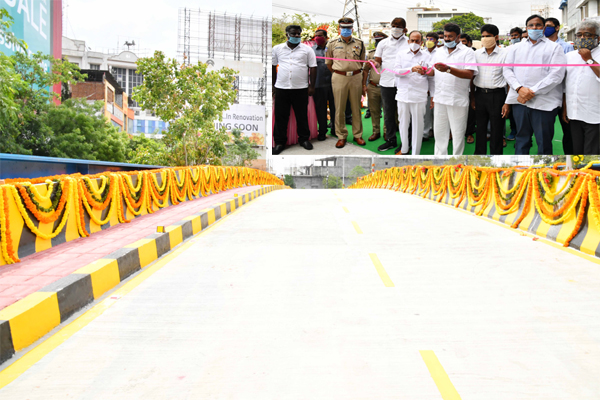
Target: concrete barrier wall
[23, 232]
[577, 226]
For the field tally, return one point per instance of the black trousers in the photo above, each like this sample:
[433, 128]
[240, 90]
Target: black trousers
[567, 138]
[585, 137]
[533, 122]
[489, 109]
[471, 120]
[390, 112]
[321, 97]
[298, 100]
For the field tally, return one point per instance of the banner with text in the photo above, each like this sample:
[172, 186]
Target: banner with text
[250, 119]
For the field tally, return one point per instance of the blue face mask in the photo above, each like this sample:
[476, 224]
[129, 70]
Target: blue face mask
[515, 41]
[535, 34]
[345, 32]
[549, 31]
[294, 40]
[450, 45]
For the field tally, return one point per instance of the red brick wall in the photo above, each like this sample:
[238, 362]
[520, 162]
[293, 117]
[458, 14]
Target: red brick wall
[88, 90]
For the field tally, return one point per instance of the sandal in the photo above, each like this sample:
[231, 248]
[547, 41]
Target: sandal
[470, 139]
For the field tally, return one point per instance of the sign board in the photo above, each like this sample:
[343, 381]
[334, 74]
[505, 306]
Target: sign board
[250, 119]
[32, 22]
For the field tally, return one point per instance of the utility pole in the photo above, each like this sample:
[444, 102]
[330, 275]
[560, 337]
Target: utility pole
[351, 11]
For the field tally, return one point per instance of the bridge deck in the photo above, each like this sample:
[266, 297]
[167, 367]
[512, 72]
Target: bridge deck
[288, 298]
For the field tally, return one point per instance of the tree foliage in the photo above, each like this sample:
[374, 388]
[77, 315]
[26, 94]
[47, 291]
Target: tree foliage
[480, 161]
[191, 98]
[240, 151]
[469, 24]
[332, 182]
[288, 180]
[356, 173]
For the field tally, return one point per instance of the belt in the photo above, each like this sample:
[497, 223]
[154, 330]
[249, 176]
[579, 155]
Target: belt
[483, 90]
[374, 84]
[348, 73]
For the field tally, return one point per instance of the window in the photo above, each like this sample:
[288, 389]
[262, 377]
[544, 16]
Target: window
[134, 80]
[95, 67]
[151, 126]
[140, 126]
[162, 126]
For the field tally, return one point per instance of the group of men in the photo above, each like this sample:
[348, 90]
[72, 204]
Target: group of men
[440, 78]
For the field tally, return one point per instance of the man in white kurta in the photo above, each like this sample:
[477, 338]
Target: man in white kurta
[450, 97]
[412, 85]
[581, 108]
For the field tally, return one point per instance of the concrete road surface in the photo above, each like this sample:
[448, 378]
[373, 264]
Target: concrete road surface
[347, 294]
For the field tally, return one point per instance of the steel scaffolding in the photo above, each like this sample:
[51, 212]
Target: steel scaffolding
[206, 36]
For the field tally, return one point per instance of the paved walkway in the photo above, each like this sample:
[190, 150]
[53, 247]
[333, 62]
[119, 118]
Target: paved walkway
[292, 298]
[40, 269]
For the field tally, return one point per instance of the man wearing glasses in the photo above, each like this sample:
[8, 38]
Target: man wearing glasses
[535, 92]
[582, 90]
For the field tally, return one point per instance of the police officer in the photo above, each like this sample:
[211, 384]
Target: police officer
[346, 80]
[371, 83]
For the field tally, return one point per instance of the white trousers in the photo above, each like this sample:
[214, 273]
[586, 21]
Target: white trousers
[428, 117]
[416, 112]
[446, 118]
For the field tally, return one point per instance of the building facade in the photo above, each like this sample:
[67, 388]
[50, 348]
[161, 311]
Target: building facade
[122, 67]
[423, 18]
[575, 11]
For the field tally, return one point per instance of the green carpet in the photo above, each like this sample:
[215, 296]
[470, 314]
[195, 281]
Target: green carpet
[427, 148]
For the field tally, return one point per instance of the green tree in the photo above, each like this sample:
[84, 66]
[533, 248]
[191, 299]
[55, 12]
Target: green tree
[74, 130]
[191, 98]
[547, 159]
[288, 180]
[144, 150]
[356, 173]
[279, 24]
[332, 182]
[240, 152]
[469, 24]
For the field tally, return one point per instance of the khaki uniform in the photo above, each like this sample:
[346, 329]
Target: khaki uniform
[347, 87]
[374, 94]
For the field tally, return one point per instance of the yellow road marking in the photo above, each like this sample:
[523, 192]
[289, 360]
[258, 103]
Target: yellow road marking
[440, 377]
[21, 365]
[345, 209]
[381, 271]
[340, 200]
[356, 227]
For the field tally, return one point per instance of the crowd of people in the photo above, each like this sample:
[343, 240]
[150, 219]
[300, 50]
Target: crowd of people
[440, 87]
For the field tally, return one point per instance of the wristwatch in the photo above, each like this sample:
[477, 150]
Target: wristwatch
[448, 70]
[591, 61]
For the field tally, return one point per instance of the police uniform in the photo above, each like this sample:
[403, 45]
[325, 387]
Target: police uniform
[346, 83]
[374, 94]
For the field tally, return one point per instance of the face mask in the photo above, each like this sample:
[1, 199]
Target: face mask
[346, 32]
[320, 40]
[440, 42]
[294, 40]
[397, 32]
[450, 45]
[549, 31]
[515, 41]
[586, 43]
[535, 34]
[430, 44]
[414, 46]
[488, 42]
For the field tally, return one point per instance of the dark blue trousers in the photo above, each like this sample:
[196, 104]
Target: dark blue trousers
[533, 122]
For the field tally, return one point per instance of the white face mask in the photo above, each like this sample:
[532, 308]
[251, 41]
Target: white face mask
[414, 46]
[397, 32]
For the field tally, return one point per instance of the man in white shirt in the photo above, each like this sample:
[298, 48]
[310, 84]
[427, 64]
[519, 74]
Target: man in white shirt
[385, 55]
[431, 40]
[413, 85]
[450, 97]
[489, 93]
[535, 92]
[581, 107]
[292, 87]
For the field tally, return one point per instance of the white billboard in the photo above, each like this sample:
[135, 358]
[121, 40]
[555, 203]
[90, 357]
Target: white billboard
[250, 119]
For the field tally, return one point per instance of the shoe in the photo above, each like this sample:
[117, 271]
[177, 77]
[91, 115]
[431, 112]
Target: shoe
[510, 137]
[425, 138]
[374, 137]
[387, 145]
[307, 145]
[470, 139]
[368, 114]
[329, 125]
[349, 121]
[340, 143]
[503, 142]
[322, 137]
[360, 141]
[399, 152]
[278, 149]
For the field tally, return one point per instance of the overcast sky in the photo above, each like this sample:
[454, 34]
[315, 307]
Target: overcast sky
[152, 24]
[504, 14]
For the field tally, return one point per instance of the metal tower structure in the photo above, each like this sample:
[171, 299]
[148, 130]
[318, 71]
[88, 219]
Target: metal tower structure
[351, 11]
